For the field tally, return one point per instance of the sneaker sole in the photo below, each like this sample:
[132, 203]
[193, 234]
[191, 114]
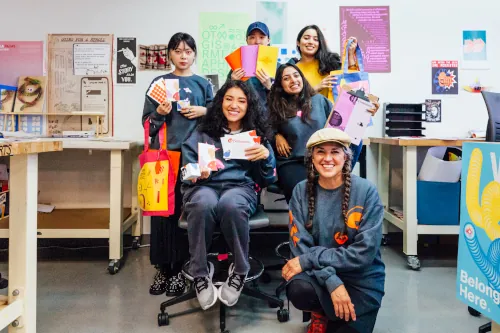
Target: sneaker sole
[214, 301]
[219, 294]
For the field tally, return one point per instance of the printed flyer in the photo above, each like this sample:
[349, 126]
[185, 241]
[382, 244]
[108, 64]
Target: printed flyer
[126, 60]
[444, 77]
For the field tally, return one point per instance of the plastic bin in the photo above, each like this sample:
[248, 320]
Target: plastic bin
[438, 203]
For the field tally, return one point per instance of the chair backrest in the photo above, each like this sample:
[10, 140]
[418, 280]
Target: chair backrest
[492, 101]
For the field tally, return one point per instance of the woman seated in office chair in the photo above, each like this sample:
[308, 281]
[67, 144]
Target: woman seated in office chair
[227, 196]
[296, 111]
[335, 231]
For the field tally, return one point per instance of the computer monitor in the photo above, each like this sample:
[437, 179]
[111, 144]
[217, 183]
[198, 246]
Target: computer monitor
[492, 101]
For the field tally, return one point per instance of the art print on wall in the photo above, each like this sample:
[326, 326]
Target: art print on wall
[433, 110]
[126, 60]
[474, 49]
[444, 77]
[154, 57]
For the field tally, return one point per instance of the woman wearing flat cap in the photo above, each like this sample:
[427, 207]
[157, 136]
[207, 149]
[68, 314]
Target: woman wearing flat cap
[336, 272]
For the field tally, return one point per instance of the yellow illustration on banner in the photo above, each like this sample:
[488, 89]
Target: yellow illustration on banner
[487, 214]
[152, 187]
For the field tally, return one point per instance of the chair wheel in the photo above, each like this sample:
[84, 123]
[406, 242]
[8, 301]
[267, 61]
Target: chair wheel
[163, 319]
[473, 312]
[265, 278]
[113, 266]
[135, 243]
[283, 315]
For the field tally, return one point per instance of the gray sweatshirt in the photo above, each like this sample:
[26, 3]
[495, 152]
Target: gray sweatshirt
[297, 132]
[235, 172]
[198, 90]
[333, 260]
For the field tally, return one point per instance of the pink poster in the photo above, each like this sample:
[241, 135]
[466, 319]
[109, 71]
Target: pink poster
[371, 26]
[20, 59]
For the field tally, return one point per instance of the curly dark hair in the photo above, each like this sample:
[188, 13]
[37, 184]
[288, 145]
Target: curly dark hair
[328, 61]
[282, 105]
[215, 123]
[312, 180]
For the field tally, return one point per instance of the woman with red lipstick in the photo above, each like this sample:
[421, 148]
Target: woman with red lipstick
[168, 243]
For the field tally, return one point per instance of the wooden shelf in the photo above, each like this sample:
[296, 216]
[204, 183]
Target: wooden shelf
[73, 113]
[71, 223]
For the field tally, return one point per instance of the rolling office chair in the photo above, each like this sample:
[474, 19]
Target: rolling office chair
[492, 101]
[221, 263]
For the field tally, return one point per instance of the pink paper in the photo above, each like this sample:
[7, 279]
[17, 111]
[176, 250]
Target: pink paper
[342, 110]
[249, 59]
[20, 59]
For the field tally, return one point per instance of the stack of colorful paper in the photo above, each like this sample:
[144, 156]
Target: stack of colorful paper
[252, 58]
[164, 89]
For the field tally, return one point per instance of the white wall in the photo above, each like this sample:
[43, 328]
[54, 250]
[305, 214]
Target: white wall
[421, 31]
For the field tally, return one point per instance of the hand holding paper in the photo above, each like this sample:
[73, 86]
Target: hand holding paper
[257, 152]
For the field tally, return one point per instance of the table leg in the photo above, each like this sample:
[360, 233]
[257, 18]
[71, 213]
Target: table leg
[362, 162]
[136, 168]
[23, 238]
[383, 184]
[115, 211]
[410, 233]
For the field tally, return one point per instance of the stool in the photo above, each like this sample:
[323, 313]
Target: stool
[221, 261]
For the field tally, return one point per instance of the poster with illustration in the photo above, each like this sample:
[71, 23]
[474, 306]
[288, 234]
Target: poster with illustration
[31, 92]
[445, 77]
[433, 110]
[154, 57]
[286, 52]
[478, 270]
[474, 49]
[273, 14]
[126, 60]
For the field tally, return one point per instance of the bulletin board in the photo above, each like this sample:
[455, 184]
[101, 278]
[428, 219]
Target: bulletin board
[80, 80]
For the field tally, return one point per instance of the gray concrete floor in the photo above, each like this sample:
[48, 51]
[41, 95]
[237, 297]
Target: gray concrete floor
[76, 294]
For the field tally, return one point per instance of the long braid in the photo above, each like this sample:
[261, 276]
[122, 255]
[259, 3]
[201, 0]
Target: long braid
[346, 173]
[311, 189]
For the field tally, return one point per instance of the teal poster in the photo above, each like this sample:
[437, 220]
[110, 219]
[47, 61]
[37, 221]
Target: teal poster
[478, 267]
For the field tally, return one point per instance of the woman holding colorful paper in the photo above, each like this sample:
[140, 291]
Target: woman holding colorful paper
[296, 111]
[178, 99]
[317, 61]
[227, 196]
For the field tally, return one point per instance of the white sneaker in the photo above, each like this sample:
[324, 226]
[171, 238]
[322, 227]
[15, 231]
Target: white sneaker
[230, 291]
[206, 292]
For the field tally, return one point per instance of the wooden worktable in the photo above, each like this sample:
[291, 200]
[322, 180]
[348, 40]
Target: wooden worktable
[20, 311]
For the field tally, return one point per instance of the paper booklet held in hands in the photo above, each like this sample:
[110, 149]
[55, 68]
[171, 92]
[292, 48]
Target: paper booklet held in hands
[234, 145]
[164, 89]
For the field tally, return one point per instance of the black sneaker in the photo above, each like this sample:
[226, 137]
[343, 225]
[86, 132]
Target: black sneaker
[159, 285]
[175, 285]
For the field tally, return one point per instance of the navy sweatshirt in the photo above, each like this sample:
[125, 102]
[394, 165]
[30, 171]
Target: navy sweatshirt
[235, 172]
[198, 90]
[334, 260]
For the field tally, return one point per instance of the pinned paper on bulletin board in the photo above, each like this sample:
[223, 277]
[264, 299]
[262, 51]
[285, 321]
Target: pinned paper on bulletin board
[478, 272]
[68, 91]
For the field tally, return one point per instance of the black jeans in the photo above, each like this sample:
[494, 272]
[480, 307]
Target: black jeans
[289, 175]
[303, 297]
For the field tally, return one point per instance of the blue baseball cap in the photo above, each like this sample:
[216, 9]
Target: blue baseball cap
[262, 27]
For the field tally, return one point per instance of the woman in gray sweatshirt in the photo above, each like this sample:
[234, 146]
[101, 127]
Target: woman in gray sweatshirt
[227, 196]
[296, 112]
[335, 231]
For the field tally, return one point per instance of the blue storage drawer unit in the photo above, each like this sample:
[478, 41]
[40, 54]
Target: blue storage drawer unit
[438, 203]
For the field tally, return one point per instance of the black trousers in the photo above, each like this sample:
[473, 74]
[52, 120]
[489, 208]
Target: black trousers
[303, 297]
[169, 243]
[289, 175]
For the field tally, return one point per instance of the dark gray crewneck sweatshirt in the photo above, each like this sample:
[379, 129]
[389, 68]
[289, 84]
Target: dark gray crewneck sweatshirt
[353, 260]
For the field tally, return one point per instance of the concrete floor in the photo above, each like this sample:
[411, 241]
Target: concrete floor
[76, 294]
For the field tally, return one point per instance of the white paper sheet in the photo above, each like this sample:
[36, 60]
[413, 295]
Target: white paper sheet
[91, 59]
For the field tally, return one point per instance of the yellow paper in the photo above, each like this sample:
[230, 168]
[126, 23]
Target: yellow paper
[152, 188]
[267, 59]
